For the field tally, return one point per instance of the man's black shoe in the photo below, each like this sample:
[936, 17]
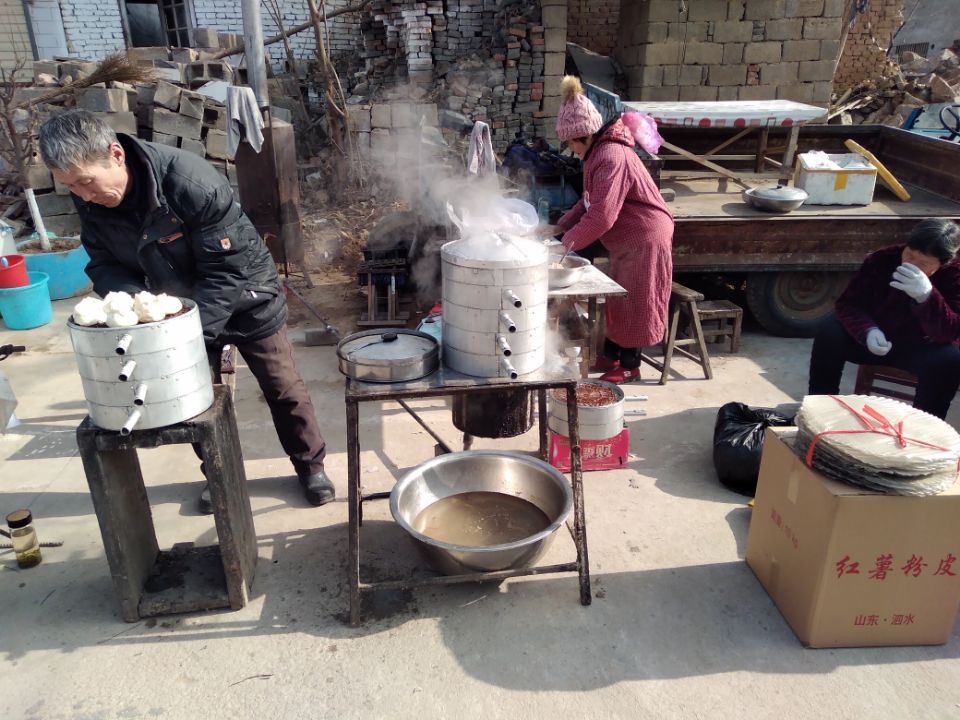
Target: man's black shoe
[204, 503]
[317, 488]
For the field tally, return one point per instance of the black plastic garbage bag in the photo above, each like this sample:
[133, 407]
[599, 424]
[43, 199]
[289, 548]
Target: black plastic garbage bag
[738, 444]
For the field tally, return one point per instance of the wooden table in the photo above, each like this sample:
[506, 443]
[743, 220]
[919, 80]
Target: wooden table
[750, 116]
[593, 284]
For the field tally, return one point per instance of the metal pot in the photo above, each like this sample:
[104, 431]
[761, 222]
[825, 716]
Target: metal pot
[509, 473]
[595, 422]
[388, 356]
[494, 414]
[781, 199]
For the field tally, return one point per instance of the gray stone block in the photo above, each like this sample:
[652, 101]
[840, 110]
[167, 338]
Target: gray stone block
[194, 146]
[191, 105]
[171, 123]
[216, 143]
[763, 9]
[762, 52]
[97, 99]
[703, 53]
[815, 71]
[53, 204]
[803, 8]
[164, 139]
[205, 38]
[727, 75]
[791, 29]
[121, 122]
[733, 31]
[822, 28]
[167, 95]
[795, 50]
[380, 116]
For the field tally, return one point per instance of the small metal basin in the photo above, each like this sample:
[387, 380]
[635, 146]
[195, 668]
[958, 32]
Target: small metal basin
[561, 277]
[508, 473]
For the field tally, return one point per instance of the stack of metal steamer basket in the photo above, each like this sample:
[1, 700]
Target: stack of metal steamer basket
[494, 324]
[146, 376]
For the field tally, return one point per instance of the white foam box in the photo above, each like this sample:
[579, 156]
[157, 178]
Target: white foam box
[852, 184]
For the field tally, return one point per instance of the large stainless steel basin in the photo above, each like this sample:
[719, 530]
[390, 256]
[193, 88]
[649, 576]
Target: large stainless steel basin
[510, 473]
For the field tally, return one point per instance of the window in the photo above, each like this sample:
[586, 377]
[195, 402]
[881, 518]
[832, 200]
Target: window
[176, 16]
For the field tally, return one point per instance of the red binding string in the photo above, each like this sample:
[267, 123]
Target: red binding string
[885, 427]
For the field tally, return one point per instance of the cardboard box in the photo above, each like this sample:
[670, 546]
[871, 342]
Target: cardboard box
[851, 568]
[851, 185]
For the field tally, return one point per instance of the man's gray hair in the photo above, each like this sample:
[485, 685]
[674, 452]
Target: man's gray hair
[75, 137]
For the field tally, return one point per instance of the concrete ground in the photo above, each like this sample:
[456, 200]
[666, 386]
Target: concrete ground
[679, 626]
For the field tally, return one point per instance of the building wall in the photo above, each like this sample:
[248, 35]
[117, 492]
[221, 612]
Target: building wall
[14, 36]
[865, 49]
[593, 24]
[226, 16]
[730, 49]
[93, 28]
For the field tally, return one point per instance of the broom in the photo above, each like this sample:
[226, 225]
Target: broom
[115, 68]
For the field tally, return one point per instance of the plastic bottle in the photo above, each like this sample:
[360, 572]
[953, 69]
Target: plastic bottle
[543, 211]
[26, 546]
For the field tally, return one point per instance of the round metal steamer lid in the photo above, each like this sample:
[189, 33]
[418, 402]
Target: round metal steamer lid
[489, 250]
[388, 356]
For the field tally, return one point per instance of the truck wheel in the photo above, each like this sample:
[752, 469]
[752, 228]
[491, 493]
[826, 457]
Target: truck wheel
[792, 304]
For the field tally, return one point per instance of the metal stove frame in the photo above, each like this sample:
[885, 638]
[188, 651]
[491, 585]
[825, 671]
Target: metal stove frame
[448, 382]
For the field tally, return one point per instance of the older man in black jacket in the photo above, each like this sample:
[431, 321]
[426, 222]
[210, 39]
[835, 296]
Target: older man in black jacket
[158, 218]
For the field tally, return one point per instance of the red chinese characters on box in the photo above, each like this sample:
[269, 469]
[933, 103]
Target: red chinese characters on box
[606, 454]
[885, 564]
[777, 520]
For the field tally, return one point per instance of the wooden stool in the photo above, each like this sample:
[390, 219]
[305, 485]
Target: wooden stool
[869, 375]
[727, 316]
[149, 581]
[683, 301]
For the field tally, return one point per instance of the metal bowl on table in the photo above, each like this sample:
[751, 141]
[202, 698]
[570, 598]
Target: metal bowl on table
[508, 474]
[781, 199]
[566, 272]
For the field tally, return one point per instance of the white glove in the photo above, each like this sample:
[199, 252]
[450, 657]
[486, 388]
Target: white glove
[913, 281]
[877, 342]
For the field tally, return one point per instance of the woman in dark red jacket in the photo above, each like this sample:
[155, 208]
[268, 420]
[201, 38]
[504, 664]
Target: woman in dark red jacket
[901, 309]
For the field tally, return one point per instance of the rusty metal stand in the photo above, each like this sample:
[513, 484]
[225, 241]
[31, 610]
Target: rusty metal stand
[446, 382]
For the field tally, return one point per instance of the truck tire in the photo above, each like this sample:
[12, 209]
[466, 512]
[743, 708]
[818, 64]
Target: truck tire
[792, 304]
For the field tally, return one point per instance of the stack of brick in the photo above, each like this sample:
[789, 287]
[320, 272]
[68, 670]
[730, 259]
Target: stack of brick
[731, 50]
[390, 132]
[894, 92]
[865, 49]
[489, 57]
[167, 112]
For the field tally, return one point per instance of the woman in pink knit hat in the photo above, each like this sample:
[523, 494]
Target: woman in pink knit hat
[622, 207]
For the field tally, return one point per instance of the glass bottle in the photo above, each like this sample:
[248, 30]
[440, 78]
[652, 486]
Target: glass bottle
[543, 211]
[24, 538]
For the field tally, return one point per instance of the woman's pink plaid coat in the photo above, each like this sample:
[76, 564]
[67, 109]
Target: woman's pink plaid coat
[622, 207]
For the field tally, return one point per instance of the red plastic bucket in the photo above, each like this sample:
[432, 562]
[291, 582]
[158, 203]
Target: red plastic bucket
[15, 273]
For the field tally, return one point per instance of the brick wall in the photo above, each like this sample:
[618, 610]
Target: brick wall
[868, 41]
[93, 28]
[14, 37]
[593, 24]
[730, 49]
[225, 16]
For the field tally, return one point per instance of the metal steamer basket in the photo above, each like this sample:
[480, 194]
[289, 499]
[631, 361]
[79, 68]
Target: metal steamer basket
[146, 376]
[494, 305]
